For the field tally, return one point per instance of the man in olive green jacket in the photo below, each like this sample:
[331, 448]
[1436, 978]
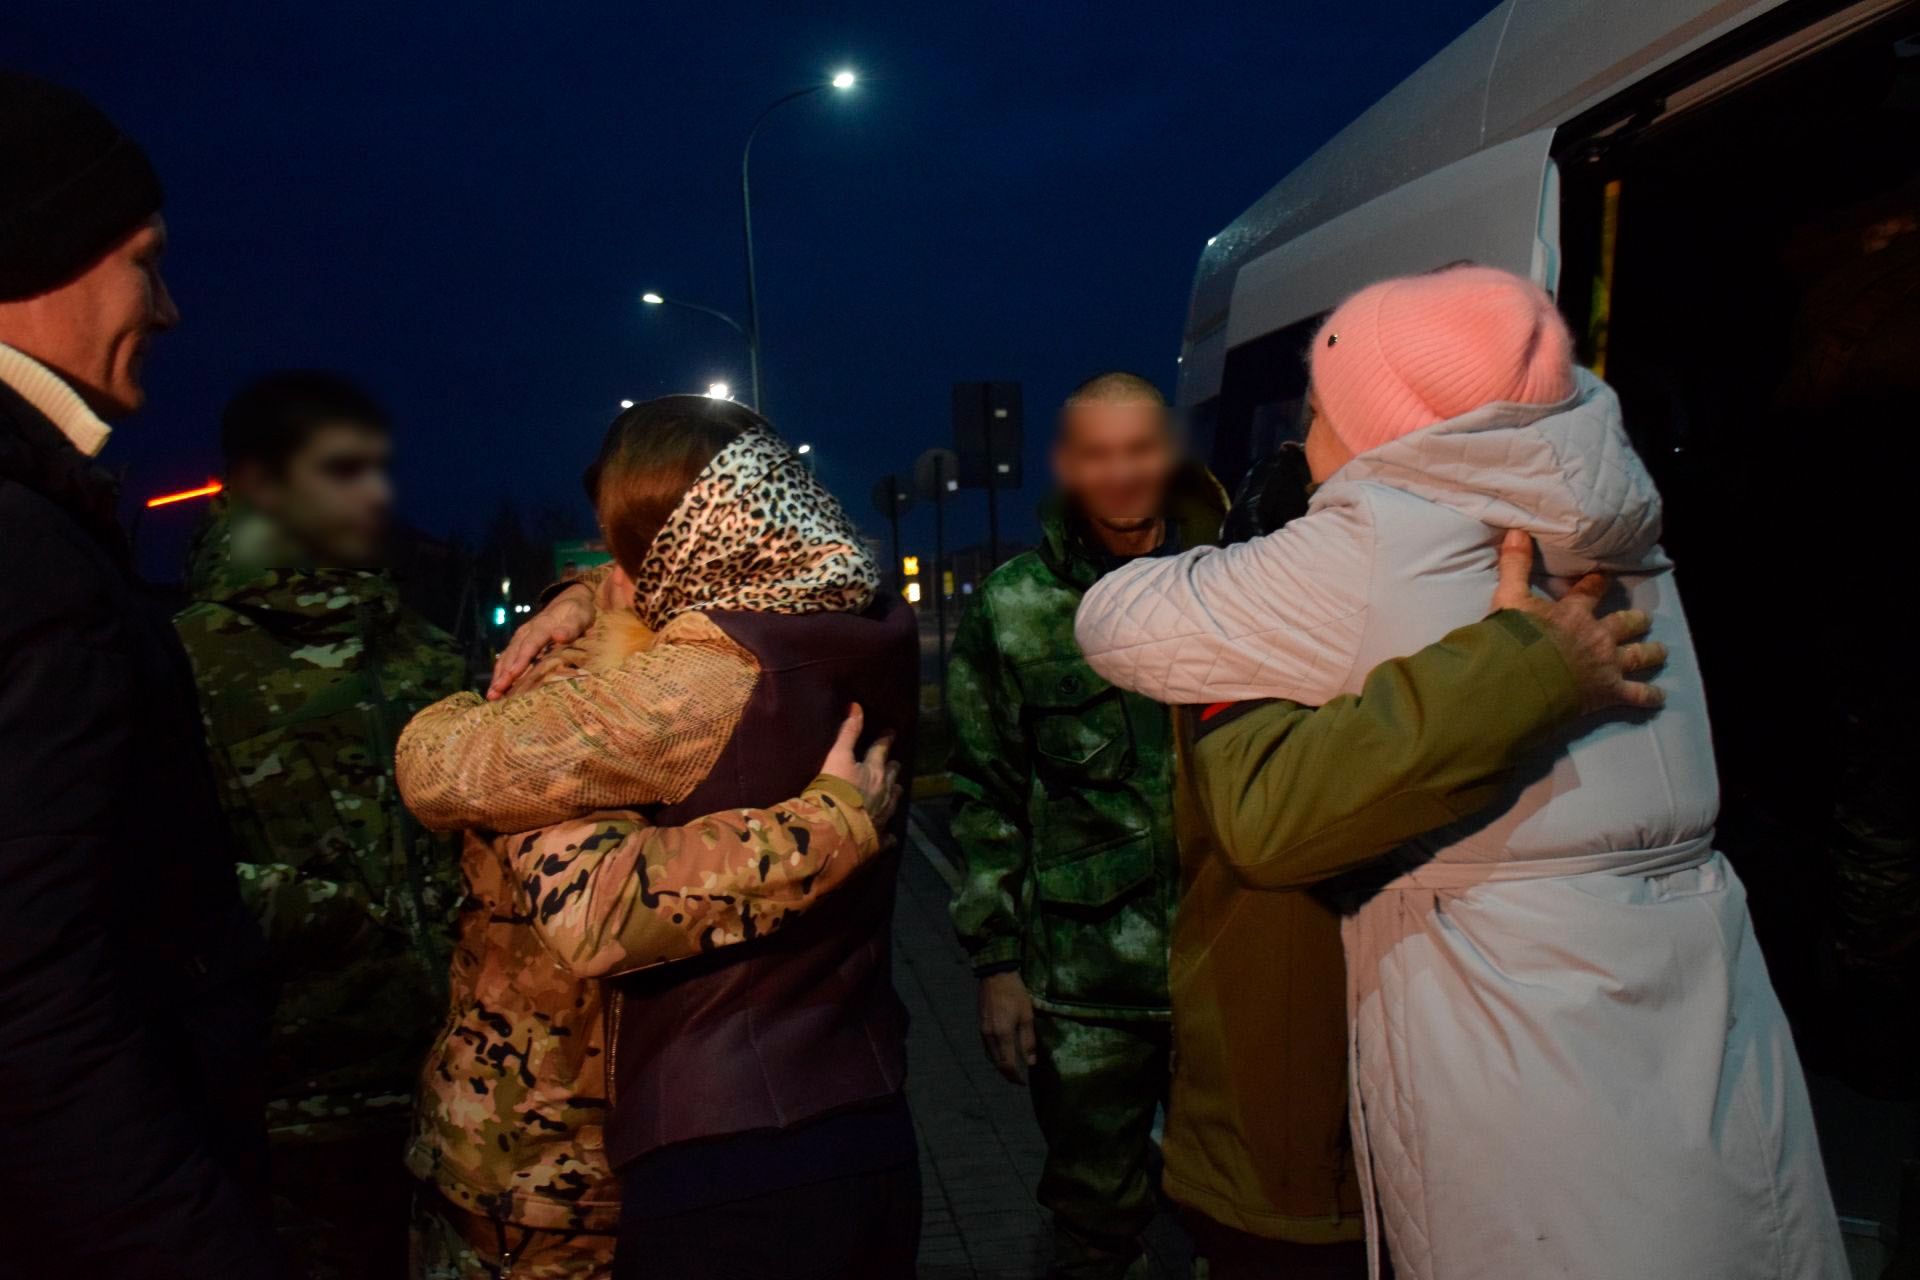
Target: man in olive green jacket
[1284, 812]
[1064, 816]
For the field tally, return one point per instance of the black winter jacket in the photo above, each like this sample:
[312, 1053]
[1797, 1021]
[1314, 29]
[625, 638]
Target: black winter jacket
[131, 1016]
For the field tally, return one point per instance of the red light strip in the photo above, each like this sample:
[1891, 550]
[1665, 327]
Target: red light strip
[206, 490]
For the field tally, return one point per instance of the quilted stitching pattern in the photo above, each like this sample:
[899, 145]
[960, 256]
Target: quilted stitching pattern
[1569, 476]
[1387, 1068]
[1281, 616]
[1286, 615]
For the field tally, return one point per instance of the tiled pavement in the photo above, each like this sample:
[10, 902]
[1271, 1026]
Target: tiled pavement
[980, 1152]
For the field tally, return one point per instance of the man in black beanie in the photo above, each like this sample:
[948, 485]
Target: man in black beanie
[131, 1009]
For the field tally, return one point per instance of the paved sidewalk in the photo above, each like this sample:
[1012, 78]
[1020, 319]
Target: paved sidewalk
[980, 1151]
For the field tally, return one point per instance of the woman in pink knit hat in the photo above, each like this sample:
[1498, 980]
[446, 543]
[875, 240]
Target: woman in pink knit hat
[1568, 1059]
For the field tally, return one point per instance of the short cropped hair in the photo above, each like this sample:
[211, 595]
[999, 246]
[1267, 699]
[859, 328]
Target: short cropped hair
[1117, 387]
[275, 415]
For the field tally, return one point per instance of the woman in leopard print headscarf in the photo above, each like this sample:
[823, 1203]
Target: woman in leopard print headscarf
[755, 531]
[711, 517]
[707, 511]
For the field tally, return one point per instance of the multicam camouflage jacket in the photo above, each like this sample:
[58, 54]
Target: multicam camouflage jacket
[305, 679]
[514, 1095]
[1064, 784]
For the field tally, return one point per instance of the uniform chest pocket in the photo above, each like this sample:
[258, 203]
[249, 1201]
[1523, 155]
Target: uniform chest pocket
[1076, 723]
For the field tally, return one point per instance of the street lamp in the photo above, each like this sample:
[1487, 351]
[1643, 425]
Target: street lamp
[841, 81]
[653, 299]
[719, 391]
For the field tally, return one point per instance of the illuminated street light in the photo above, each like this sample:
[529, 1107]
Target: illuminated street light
[842, 80]
[719, 391]
[653, 299]
[626, 404]
[804, 450]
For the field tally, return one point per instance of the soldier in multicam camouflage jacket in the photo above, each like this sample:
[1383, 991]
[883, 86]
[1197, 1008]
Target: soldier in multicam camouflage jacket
[306, 676]
[1064, 815]
[513, 1100]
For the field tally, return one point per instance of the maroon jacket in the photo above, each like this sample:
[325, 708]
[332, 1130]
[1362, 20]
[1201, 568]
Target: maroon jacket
[805, 1022]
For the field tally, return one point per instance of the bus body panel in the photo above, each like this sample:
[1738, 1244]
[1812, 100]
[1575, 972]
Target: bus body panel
[1524, 69]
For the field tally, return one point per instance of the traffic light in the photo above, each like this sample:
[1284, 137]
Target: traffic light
[909, 566]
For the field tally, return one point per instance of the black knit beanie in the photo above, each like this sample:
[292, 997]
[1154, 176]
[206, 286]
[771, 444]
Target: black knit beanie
[71, 185]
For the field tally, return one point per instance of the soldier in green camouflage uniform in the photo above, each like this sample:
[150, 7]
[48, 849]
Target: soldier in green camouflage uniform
[1064, 814]
[306, 677]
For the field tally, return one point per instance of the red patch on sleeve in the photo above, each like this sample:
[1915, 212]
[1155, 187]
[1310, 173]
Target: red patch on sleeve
[1213, 709]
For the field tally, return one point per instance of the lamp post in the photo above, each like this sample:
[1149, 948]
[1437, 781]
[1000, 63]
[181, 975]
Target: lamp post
[841, 82]
[653, 299]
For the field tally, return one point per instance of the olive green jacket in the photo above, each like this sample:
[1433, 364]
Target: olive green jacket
[1278, 804]
[1063, 785]
[306, 677]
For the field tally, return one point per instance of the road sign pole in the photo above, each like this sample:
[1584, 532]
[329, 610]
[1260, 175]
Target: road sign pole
[993, 504]
[899, 580]
[940, 570]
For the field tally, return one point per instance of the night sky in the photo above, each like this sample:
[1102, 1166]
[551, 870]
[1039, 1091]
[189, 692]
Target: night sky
[460, 205]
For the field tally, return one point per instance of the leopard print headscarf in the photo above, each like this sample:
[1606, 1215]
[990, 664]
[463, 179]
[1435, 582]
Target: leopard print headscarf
[756, 532]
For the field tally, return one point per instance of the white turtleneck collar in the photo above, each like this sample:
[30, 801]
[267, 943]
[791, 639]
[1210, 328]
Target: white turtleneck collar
[48, 392]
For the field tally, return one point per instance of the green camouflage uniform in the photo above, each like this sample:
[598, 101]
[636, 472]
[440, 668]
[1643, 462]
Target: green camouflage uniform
[306, 678]
[1064, 814]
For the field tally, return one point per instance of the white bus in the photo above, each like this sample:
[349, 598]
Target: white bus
[1725, 198]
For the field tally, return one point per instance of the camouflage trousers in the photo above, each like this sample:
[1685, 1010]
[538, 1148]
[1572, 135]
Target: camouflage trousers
[1096, 1088]
[450, 1244]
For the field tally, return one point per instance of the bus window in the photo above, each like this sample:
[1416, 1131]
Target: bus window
[1262, 400]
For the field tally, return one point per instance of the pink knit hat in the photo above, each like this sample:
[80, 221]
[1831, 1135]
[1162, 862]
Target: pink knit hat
[1407, 353]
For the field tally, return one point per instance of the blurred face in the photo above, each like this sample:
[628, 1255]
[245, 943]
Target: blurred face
[94, 330]
[334, 499]
[1326, 452]
[1115, 461]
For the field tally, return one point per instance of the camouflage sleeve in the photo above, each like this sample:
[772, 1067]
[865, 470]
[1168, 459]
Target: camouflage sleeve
[590, 579]
[286, 902]
[991, 781]
[610, 894]
[643, 733]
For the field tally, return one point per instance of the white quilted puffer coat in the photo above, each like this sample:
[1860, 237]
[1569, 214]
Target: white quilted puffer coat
[1568, 1059]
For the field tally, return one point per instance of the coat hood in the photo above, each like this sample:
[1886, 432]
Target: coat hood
[758, 533]
[296, 598]
[1566, 473]
[1196, 508]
